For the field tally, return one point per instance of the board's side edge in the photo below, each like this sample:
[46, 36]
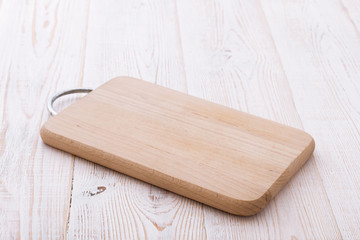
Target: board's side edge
[178, 186]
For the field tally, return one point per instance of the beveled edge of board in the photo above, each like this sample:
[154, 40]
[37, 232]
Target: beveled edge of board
[184, 188]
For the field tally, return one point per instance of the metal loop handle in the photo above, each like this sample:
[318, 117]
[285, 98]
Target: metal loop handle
[63, 93]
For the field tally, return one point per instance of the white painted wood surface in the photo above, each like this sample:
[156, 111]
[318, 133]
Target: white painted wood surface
[295, 62]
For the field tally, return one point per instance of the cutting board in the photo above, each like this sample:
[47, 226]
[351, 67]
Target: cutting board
[216, 155]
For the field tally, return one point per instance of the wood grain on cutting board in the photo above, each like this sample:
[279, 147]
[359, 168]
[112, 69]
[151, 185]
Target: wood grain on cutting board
[227, 159]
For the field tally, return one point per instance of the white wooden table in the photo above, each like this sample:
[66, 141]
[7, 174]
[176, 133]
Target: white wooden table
[297, 63]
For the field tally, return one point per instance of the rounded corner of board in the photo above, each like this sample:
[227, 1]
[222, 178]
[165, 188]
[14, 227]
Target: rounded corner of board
[310, 143]
[45, 133]
[249, 207]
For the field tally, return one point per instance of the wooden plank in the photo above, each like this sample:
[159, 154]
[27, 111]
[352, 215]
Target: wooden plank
[230, 58]
[40, 52]
[323, 71]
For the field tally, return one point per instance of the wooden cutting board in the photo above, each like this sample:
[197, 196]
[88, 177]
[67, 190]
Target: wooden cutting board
[216, 155]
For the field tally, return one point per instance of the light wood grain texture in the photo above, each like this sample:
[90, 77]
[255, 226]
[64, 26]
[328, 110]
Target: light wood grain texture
[323, 72]
[227, 159]
[40, 53]
[295, 62]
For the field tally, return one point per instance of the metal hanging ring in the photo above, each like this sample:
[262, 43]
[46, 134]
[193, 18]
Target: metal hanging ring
[63, 93]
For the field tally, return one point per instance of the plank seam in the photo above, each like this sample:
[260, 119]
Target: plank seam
[66, 225]
[181, 45]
